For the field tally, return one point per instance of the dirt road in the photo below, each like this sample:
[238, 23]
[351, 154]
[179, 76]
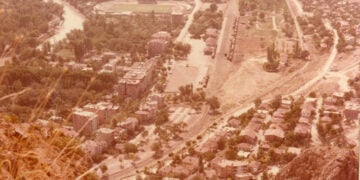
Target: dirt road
[327, 65]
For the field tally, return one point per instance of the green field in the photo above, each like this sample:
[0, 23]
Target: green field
[138, 8]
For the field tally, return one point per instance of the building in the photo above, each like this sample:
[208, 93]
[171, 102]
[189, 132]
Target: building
[351, 111]
[130, 124]
[158, 43]
[177, 18]
[85, 122]
[93, 148]
[302, 130]
[274, 133]
[249, 136]
[105, 134]
[227, 168]
[137, 79]
[104, 110]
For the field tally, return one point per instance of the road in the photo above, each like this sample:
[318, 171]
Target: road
[200, 126]
[205, 129]
[327, 65]
[315, 140]
[185, 29]
[294, 15]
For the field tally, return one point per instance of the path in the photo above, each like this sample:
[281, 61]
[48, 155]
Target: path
[315, 140]
[327, 65]
[188, 23]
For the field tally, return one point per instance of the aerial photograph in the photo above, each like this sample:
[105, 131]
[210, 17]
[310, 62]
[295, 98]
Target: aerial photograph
[179, 89]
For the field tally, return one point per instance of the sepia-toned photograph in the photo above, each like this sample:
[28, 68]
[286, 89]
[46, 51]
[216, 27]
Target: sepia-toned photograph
[179, 89]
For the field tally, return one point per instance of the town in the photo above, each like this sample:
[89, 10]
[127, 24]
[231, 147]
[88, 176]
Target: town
[155, 89]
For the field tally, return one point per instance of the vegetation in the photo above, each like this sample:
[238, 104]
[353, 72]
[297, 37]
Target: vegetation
[119, 34]
[273, 59]
[23, 22]
[66, 86]
[210, 18]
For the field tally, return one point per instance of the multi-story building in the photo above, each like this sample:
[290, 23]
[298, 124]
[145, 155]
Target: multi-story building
[137, 79]
[85, 122]
[104, 110]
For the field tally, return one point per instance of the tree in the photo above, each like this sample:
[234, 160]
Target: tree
[213, 7]
[230, 154]
[257, 102]
[214, 103]
[221, 143]
[130, 148]
[201, 164]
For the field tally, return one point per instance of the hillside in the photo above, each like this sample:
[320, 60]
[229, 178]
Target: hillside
[29, 150]
[320, 163]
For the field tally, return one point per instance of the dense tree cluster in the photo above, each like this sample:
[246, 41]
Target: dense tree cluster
[67, 86]
[120, 34]
[210, 18]
[25, 20]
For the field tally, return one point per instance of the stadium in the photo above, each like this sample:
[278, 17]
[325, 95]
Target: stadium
[124, 7]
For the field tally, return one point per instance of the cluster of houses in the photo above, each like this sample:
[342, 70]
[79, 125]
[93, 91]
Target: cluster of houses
[265, 127]
[342, 15]
[88, 120]
[211, 37]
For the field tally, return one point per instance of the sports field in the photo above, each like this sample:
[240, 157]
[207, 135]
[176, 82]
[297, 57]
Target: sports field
[136, 8]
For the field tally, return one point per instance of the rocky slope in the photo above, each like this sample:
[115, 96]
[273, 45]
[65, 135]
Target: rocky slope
[322, 163]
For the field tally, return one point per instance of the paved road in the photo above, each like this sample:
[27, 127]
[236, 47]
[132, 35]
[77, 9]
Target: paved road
[185, 29]
[294, 15]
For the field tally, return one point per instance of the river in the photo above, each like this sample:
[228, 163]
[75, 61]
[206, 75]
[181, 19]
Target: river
[73, 19]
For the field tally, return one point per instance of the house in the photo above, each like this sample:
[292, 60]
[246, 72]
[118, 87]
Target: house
[248, 135]
[274, 133]
[245, 147]
[144, 116]
[177, 18]
[211, 145]
[85, 122]
[351, 111]
[227, 168]
[211, 42]
[280, 113]
[130, 124]
[212, 32]
[209, 50]
[191, 163]
[286, 103]
[294, 150]
[302, 130]
[234, 123]
[244, 176]
[177, 171]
